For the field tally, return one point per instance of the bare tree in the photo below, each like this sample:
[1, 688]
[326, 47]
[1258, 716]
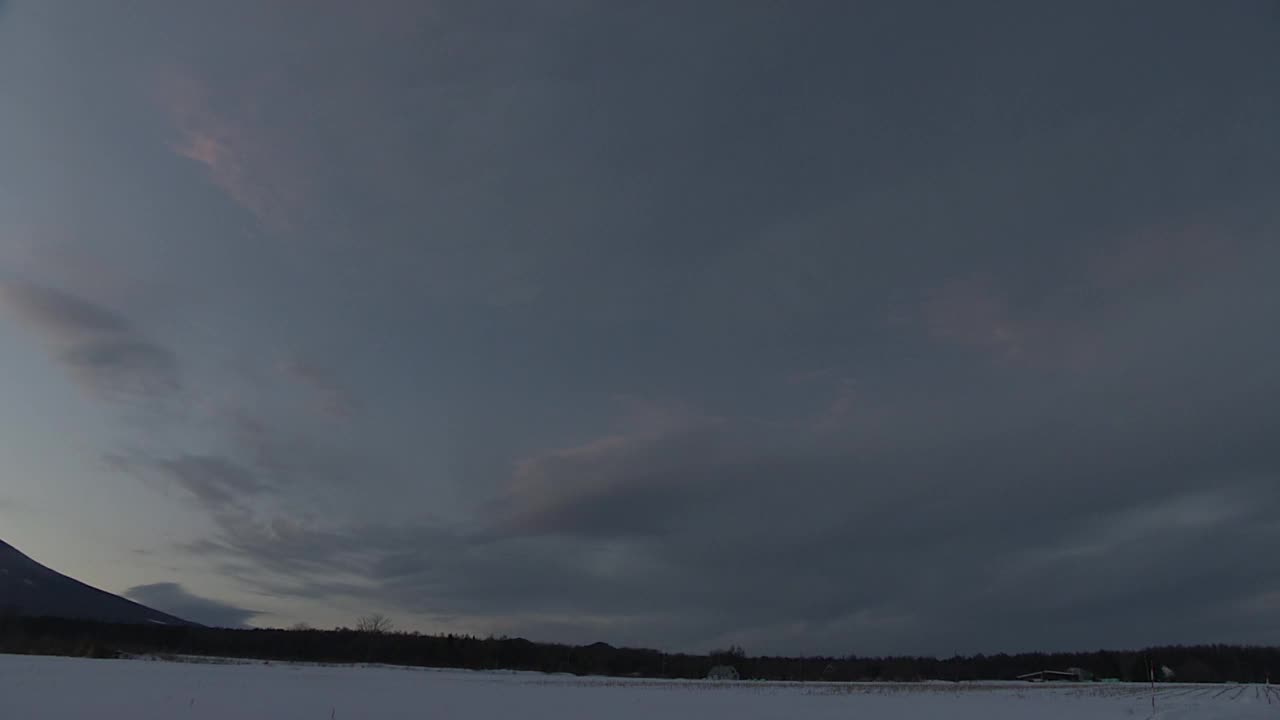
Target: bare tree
[299, 627]
[374, 623]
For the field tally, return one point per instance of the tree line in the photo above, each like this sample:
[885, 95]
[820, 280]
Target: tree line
[373, 641]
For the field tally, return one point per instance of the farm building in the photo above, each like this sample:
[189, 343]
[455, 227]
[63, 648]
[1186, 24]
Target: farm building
[723, 672]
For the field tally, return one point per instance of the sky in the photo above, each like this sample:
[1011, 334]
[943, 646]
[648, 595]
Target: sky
[817, 327]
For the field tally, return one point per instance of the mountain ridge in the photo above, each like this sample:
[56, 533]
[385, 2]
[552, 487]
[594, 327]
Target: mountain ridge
[32, 589]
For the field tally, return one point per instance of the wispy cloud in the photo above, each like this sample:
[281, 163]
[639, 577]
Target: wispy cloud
[61, 314]
[843, 403]
[972, 313]
[240, 160]
[328, 395]
[217, 483]
[976, 314]
[1161, 521]
[1165, 256]
[1265, 603]
[100, 349]
[53, 252]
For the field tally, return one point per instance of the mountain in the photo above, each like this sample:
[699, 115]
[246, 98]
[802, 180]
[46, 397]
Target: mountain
[29, 588]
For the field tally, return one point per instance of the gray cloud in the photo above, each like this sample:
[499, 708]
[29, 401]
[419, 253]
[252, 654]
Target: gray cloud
[1095, 502]
[99, 348]
[60, 313]
[174, 599]
[659, 537]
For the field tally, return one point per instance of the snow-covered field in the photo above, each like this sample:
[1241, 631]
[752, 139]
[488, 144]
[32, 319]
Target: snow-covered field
[71, 689]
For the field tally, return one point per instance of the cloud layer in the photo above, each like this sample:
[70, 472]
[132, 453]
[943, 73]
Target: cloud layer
[867, 328]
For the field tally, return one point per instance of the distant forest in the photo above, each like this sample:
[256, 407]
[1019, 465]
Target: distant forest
[57, 636]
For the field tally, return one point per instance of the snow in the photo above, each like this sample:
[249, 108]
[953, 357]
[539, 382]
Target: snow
[45, 688]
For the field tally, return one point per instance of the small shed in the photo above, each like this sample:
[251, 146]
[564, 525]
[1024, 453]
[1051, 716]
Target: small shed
[723, 672]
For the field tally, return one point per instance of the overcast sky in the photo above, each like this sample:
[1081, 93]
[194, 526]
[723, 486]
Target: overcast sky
[817, 327]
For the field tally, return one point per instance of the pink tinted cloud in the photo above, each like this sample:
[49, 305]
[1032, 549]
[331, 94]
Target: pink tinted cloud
[839, 398]
[1169, 255]
[840, 409]
[328, 396]
[392, 18]
[545, 487]
[1064, 331]
[973, 313]
[647, 445]
[50, 253]
[646, 415]
[804, 377]
[238, 154]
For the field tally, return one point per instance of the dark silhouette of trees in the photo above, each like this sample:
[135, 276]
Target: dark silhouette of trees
[732, 655]
[57, 636]
[375, 623]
